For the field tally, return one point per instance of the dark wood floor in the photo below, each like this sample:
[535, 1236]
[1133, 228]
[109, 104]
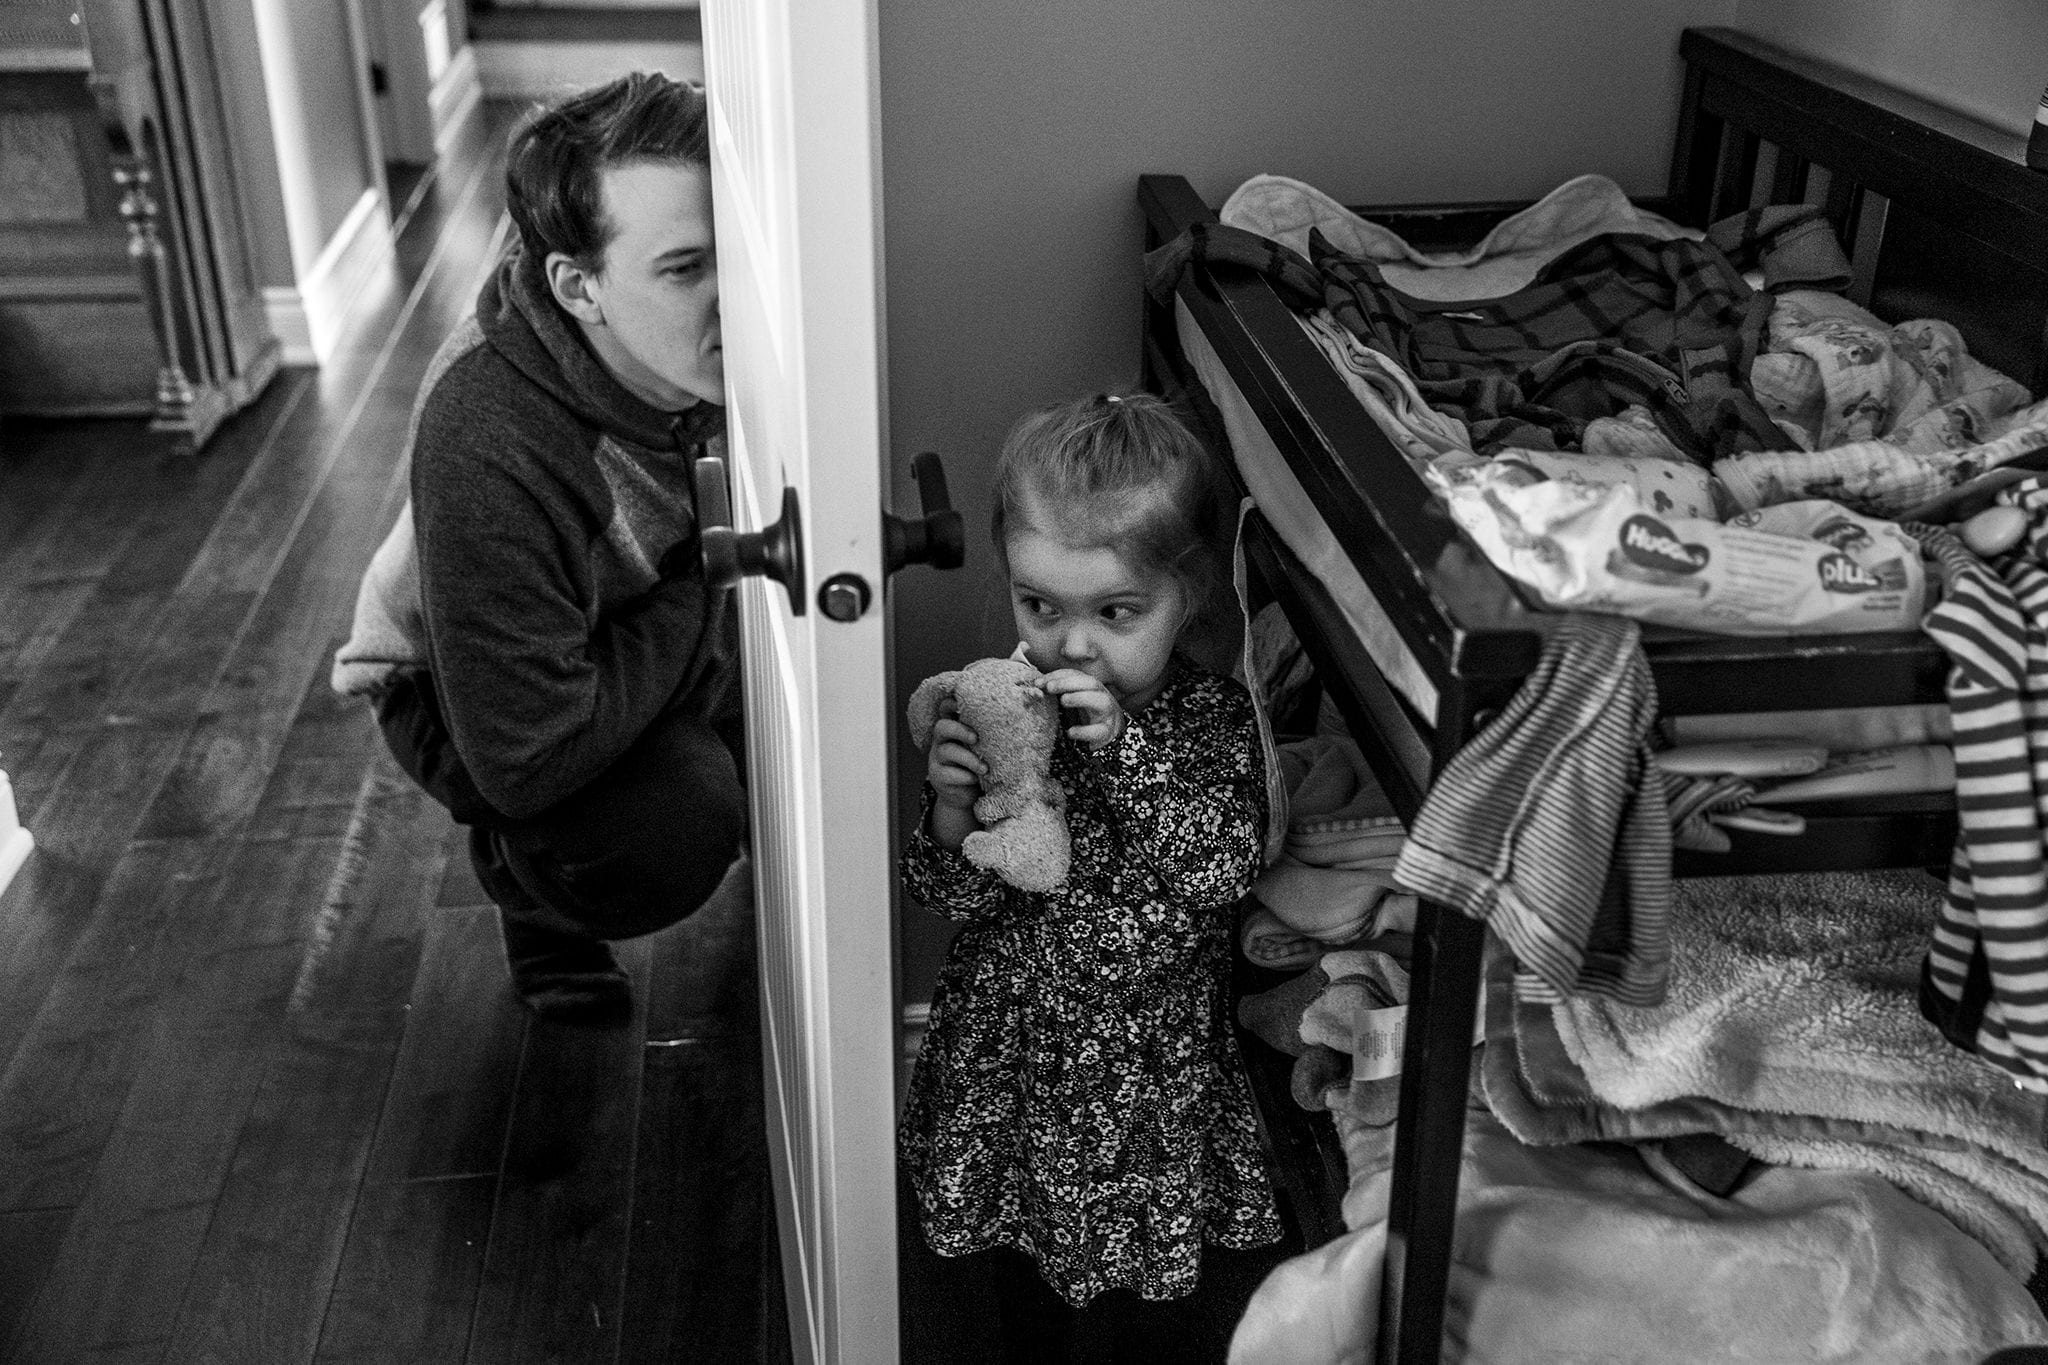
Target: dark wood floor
[265, 1096]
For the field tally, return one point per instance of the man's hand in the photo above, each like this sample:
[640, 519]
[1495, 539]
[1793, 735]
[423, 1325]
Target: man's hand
[1102, 717]
[955, 771]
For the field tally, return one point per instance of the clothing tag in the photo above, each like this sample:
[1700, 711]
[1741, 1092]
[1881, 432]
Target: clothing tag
[1382, 1034]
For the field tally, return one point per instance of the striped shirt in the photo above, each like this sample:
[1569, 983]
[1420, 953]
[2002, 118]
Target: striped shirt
[1549, 826]
[1985, 978]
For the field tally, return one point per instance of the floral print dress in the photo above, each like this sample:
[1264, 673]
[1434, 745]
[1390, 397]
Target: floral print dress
[1079, 1094]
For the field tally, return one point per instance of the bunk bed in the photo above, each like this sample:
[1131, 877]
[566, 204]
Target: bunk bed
[1417, 638]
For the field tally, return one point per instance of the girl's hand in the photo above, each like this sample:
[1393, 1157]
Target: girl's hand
[951, 766]
[1102, 717]
[955, 771]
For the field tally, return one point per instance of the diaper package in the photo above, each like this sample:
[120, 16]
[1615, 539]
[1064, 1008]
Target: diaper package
[1810, 567]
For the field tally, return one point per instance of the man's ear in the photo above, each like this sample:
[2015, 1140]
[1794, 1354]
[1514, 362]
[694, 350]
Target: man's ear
[571, 283]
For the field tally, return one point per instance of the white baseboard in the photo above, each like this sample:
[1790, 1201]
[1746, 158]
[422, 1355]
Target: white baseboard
[14, 851]
[544, 70]
[455, 99]
[286, 312]
[15, 842]
[916, 1019]
[307, 319]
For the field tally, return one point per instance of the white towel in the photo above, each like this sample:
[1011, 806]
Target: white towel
[1796, 996]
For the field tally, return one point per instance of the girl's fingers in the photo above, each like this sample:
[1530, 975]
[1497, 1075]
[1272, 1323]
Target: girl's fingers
[956, 732]
[1077, 691]
[955, 766]
[1068, 680]
[1094, 735]
[959, 756]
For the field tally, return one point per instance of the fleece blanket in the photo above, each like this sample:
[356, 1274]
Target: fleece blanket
[1580, 1253]
[1572, 1246]
[1586, 206]
[1334, 879]
[1793, 1010]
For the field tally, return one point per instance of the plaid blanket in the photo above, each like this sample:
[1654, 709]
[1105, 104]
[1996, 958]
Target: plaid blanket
[1619, 319]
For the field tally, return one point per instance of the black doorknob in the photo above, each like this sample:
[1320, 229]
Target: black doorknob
[934, 538]
[775, 551]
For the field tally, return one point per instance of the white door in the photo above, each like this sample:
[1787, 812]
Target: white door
[796, 186]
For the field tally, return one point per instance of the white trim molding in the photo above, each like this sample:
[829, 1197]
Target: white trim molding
[533, 69]
[307, 319]
[917, 1017]
[457, 96]
[15, 842]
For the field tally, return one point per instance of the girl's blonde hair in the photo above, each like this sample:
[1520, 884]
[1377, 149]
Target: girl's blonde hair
[1118, 471]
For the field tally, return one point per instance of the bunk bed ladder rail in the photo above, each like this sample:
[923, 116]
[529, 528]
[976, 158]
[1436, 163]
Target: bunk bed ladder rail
[1429, 1139]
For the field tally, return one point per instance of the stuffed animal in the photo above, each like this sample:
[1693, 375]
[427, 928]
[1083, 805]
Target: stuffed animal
[1335, 1020]
[1022, 809]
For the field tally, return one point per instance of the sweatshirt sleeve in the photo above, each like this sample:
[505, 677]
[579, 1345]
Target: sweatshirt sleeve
[539, 698]
[1193, 807]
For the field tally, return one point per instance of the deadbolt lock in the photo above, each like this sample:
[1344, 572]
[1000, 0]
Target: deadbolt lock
[844, 597]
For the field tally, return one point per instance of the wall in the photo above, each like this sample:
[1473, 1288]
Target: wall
[312, 75]
[302, 151]
[1013, 135]
[1987, 58]
[253, 144]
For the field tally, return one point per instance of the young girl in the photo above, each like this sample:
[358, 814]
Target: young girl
[1079, 1096]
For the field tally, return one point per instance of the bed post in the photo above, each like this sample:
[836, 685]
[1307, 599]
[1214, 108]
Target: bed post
[1696, 157]
[1436, 1070]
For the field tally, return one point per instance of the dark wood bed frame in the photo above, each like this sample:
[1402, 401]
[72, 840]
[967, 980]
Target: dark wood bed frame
[1941, 217]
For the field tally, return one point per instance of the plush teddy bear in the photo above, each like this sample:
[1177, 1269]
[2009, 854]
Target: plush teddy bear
[1022, 809]
[1321, 1019]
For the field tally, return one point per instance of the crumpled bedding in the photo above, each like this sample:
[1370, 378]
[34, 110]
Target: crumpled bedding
[1790, 1029]
[1888, 419]
[1894, 422]
[1334, 879]
[1580, 1253]
[1793, 1010]
[1586, 206]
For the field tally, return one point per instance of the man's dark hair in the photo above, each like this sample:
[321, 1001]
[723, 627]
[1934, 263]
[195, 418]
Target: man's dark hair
[556, 155]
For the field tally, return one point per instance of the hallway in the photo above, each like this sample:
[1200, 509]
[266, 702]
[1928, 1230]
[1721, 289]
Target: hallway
[265, 1095]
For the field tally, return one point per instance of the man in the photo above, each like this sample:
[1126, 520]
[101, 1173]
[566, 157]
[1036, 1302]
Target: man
[536, 634]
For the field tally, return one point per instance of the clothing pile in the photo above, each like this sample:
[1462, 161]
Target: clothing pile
[1630, 417]
[1897, 1208]
[1333, 883]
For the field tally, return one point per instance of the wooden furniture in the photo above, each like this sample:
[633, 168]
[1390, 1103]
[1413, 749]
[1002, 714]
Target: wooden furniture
[1941, 218]
[127, 284]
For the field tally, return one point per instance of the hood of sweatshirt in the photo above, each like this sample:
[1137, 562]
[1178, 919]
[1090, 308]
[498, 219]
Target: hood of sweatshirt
[523, 323]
